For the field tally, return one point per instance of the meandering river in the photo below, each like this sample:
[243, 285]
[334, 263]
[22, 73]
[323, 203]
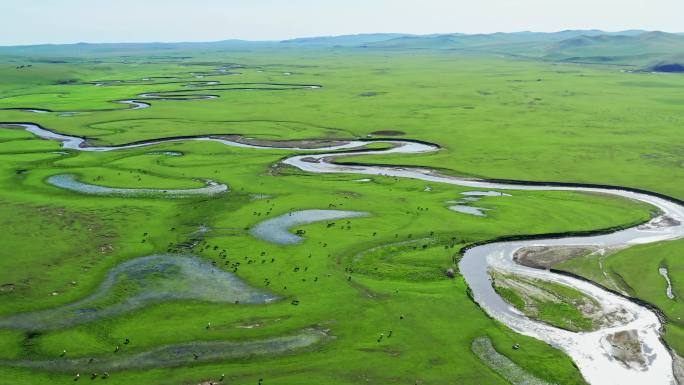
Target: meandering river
[592, 352]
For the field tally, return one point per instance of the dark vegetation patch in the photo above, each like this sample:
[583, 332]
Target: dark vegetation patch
[66, 81]
[388, 132]
[671, 68]
[371, 93]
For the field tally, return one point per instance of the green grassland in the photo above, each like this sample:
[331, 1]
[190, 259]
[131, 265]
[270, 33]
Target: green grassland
[561, 122]
[357, 279]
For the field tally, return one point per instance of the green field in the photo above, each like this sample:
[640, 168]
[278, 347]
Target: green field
[360, 300]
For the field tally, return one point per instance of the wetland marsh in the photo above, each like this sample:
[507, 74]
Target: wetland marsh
[316, 244]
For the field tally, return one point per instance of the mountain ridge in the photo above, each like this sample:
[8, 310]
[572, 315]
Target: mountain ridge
[635, 48]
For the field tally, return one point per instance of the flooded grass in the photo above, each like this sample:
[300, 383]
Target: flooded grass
[142, 282]
[464, 206]
[185, 354]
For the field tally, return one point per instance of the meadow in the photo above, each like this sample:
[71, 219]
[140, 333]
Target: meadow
[370, 293]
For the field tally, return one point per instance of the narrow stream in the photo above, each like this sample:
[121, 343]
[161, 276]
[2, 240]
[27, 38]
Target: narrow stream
[592, 352]
[71, 182]
[182, 94]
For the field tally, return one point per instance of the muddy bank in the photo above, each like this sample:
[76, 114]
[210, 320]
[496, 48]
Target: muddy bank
[662, 221]
[625, 347]
[543, 257]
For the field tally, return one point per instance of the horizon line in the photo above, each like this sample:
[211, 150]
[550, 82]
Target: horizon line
[334, 36]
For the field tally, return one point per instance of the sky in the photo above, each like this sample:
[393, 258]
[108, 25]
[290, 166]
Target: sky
[96, 21]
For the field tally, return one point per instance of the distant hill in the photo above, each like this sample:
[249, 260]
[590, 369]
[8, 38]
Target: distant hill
[82, 51]
[622, 49]
[652, 51]
[499, 38]
[344, 40]
[633, 47]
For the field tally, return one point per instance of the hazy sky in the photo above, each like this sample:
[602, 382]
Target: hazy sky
[68, 21]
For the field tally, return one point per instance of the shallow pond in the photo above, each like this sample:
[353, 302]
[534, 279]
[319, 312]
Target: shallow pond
[485, 194]
[663, 272]
[477, 211]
